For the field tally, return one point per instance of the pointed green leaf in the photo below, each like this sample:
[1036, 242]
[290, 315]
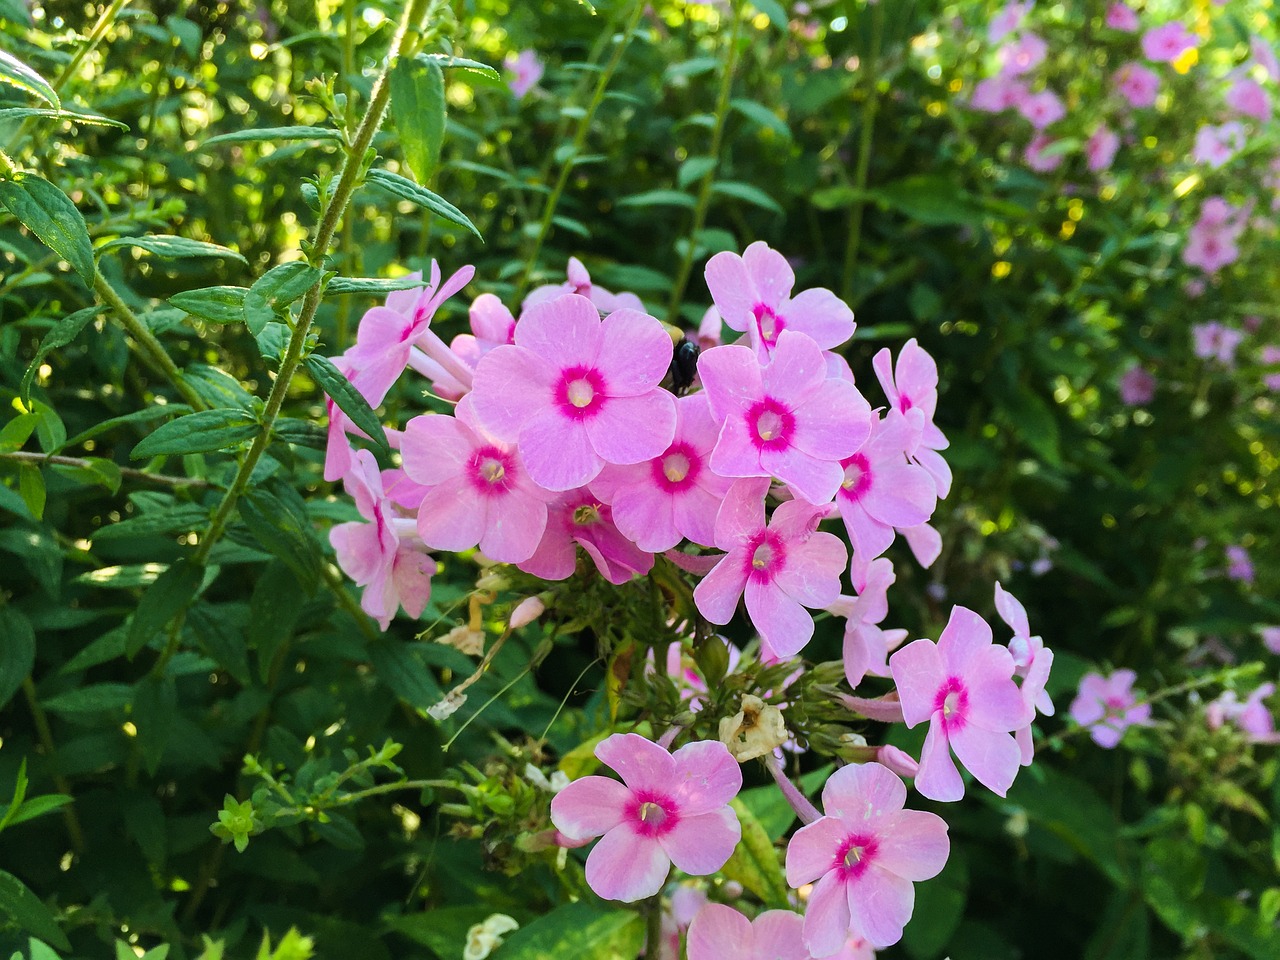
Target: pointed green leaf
[349, 400]
[746, 192]
[14, 71]
[275, 135]
[417, 109]
[173, 248]
[755, 862]
[658, 198]
[693, 170]
[31, 489]
[17, 651]
[71, 116]
[163, 600]
[406, 189]
[370, 285]
[272, 292]
[215, 304]
[29, 912]
[62, 333]
[204, 432]
[49, 213]
[583, 931]
[759, 114]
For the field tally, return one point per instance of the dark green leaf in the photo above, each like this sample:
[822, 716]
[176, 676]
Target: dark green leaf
[774, 11]
[172, 248]
[746, 192]
[760, 114]
[933, 200]
[658, 198]
[215, 304]
[583, 931]
[96, 698]
[755, 862]
[694, 169]
[171, 593]
[444, 60]
[272, 292]
[71, 116]
[60, 334]
[398, 186]
[278, 520]
[349, 400]
[203, 432]
[13, 71]
[48, 213]
[29, 912]
[18, 431]
[31, 489]
[417, 108]
[17, 651]
[38, 807]
[404, 673]
[274, 609]
[174, 520]
[155, 708]
[276, 135]
[370, 285]
[145, 415]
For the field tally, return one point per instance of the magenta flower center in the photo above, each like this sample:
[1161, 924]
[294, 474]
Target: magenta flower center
[766, 555]
[579, 394]
[1116, 707]
[768, 323]
[490, 470]
[771, 424]
[855, 855]
[653, 814]
[857, 477]
[953, 700]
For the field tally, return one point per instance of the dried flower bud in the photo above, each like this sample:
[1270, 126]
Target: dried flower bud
[754, 730]
[466, 639]
[447, 707]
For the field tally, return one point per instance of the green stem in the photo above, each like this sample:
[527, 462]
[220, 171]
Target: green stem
[61, 783]
[653, 925]
[704, 188]
[39, 459]
[579, 139]
[870, 107]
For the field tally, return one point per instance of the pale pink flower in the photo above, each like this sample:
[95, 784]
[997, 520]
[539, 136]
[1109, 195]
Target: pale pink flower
[882, 489]
[1137, 84]
[1264, 55]
[480, 492]
[788, 420]
[1246, 96]
[1042, 109]
[579, 518]
[1137, 386]
[1270, 638]
[866, 645]
[1167, 42]
[675, 495]
[383, 556]
[526, 70]
[1108, 707]
[912, 385]
[669, 808]
[1032, 662]
[576, 393]
[1037, 159]
[337, 456]
[1008, 19]
[862, 858]
[1270, 355]
[1120, 16]
[1022, 55]
[781, 567]
[753, 294]
[999, 93]
[719, 931]
[1216, 145]
[1239, 564]
[1216, 341]
[1100, 150]
[1210, 250]
[578, 281]
[925, 543]
[492, 325]
[1251, 717]
[963, 686]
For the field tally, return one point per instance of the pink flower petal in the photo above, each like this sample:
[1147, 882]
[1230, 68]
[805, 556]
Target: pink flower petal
[642, 764]
[938, 778]
[880, 905]
[589, 807]
[770, 273]
[965, 635]
[937, 467]
[992, 758]
[635, 352]
[731, 289]
[633, 429]
[825, 316]
[833, 421]
[995, 702]
[779, 935]
[741, 514]
[735, 454]
[913, 844]
[1012, 612]
[826, 918]
[812, 850]
[811, 574]
[645, 516]
[716, 595]
[918, 672]
[811, 478]
[925, 543]
[514, 527]
[451, 517]
[797, 369]
[510, 383]
[782, 623]
[902, 495]
[564, 332]
[435, 447]
[863, 792]
[703, 844]
[557, 451]
[695, 514]
[359, 552]
[411, 573]
[731, 378]
[718, 931]
[627, 866]
[706, 777]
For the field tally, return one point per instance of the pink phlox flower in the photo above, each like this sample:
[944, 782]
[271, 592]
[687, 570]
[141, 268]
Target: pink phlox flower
[1211, 241]
[1216, 341]
[1251, 717]
[1037, 158]
[575, 392]
[579, 518]
[1137, 84]
[406, 494]
[963, 686]
[710, 330]
[781, 567]
[1216, 145]
[753, 294]
[719, 931]
[862, 858]
[866, 645]
[480, 493]
[1008, 19]
[1108, 707]
[1137, 386]
[1239, 564]
[787, 420]
[1270, 355]
[686, 902]
[492, 325]
[1032, 662]
[912, 385]
[675, 495]
[578, 280]
[526, 70]
[925, 543]
[1270, 638]
[882, 489]
[337, 456]
[1121, 16]
[1167, 42]
[1264, 55]
[1100, 150]
[669, 808]
[999, 93]
[1042, 109]
[384, 556]
[1246, 96]
[1022, 55]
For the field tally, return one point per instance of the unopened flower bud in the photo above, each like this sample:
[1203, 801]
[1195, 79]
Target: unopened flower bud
[899, 761]
[527, 610]
[754, 730]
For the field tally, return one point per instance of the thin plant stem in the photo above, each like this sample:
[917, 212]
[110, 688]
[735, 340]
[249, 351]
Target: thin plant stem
[870, 107]
[39, 459]
[653, 925]
[60, 782]
[708, 178]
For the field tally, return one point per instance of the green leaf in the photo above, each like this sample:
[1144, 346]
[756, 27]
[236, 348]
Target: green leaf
[444, 60]
[19, 793]
[155, 712]
[204, 432]
[18, 431]
[939, 909]
[71, 116]
[1036, 426]
[274, 609]
[755, 862]
[96, 471]
[172, 248]
[60, 334]
[275, 135]
[31, 489]
[658, 198]
[405, 674]
[13, 71]
[440, 930]
[761, 115]
[38, 807]
[372, 285]
[95, 698]
[417, 109]
[122, 578]
[17, 651]
[405, 189]
[349, 400]
[694, 169]
[167, 522]
[49, 213]
[774, 11]
[145, 415]
[582, 931]
[838, 197]
[933, 200]
[171, 593]
[747, 193]
[279, 521]
[215, 304]
[29, 912]
[272, 292]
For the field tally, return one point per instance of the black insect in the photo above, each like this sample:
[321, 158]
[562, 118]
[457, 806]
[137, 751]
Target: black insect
[684, 366]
